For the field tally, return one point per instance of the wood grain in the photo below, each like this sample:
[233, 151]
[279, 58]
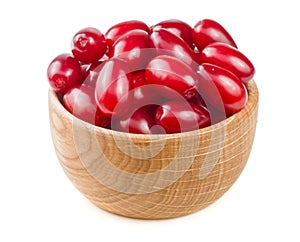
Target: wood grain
[162, 176]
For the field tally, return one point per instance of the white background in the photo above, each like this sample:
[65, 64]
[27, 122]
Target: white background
[39, 203]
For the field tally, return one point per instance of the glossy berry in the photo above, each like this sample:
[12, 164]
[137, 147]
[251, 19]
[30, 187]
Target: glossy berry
[113, 87]
[88, 45]
[208, 31]
[230, 58]
[172, 73]
[221, 88]
[176, 117]
[132, 47]
[63, 73]
[139, 123]
[80, 101]
[122, 28]
[177, 27]
[168, 43]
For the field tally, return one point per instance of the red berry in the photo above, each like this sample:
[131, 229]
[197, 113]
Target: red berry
[230, 58]
[88, 45]
[122, 28]
[221, 88]
[168, 43]
[113, 87]
[132, 47]
[208, 31]
[171, 73]
[176, 117]
[177, 27]
[64, 72]
[80, 101]
[139, 123]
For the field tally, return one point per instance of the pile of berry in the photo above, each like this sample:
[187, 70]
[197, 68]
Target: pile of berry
[168, 78]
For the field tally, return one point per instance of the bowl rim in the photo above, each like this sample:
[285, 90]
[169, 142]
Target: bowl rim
[252, 102]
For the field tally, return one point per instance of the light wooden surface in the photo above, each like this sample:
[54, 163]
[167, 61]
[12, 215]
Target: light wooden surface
[164, 176]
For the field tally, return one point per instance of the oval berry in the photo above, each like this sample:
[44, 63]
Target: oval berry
[208, 31]
[80, 101]
[122, 28]
[221, 88]
[88, 45]
[177, 27]
[168, 43]
[132, 47]
[176, 117]
[113, 87]
[230, 58]
[64, 72]
[139, 123]
[172, 73]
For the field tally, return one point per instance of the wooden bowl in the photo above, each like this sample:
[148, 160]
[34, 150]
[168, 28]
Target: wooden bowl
[153, 176]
